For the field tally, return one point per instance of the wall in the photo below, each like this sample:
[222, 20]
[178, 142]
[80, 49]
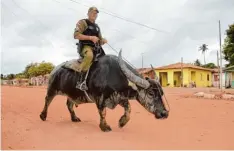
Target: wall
[170, 75]
[163, 76]
[40, 80]
[177, 78]
[215, 79]
[201, 78]
[232, 79]
[229, 79]
[193, 76]
[187, 77]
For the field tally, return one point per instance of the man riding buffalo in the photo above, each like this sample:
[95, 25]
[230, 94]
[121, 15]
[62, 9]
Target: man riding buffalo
[107, 80]
[88, 33]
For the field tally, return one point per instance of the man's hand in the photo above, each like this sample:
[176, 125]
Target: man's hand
[104, 41]
[94, 39]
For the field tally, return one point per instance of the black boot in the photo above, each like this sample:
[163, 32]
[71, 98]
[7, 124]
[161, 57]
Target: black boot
[82, 84]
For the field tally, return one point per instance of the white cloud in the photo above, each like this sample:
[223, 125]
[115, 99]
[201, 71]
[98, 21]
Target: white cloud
[43, 30]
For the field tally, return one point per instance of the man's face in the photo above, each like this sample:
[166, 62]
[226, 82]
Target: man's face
[93, 15]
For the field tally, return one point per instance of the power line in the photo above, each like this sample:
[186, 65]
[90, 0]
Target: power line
[9, 10]
[66, 7]
[48, 28]
[112, 14]
[29, 14]
[35, 20]
[113, 29]
[123, 57]
[134, 38]
[110, 29]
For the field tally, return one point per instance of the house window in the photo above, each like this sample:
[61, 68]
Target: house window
[216, 77]
[208, 77]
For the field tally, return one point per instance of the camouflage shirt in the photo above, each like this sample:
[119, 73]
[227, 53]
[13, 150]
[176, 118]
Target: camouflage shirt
[81, 26]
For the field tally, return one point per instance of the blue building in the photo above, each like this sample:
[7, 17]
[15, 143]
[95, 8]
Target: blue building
[229, 77]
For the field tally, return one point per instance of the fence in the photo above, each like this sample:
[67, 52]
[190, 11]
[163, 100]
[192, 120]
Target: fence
[34, 81]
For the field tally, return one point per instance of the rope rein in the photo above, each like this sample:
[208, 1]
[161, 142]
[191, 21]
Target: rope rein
[156, 84]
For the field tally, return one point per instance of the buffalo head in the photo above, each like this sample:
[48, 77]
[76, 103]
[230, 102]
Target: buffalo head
[149, 92]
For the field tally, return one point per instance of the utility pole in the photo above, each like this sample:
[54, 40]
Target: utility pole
[220, 47]
[218, 67]
[142, 60]
[182, 84]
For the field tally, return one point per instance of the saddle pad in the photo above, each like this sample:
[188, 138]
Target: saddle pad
[72, 64]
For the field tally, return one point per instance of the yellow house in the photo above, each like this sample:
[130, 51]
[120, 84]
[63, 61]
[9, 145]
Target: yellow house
[171, 76]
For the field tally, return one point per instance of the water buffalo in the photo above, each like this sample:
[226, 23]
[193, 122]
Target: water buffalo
[108, 86]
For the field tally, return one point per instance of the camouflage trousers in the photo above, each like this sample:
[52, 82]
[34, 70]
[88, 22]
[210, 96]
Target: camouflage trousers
[87, 52]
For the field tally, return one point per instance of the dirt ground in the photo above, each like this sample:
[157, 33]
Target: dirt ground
[192, 124]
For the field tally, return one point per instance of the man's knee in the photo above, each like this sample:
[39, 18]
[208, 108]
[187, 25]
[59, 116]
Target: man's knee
[89, 54]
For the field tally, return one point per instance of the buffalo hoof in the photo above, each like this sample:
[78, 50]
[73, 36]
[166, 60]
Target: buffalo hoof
[105, 128]
[123, 121]
[75, 119]
[43, 116]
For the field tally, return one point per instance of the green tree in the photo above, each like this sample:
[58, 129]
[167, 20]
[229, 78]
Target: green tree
[203, 48]
[210, 65]
[228, 47]
[10, 76]
[32, 71]
[197, 63]
[25, 72]
[20, 76]
[45, 68]
[2, 76]
[40, 69]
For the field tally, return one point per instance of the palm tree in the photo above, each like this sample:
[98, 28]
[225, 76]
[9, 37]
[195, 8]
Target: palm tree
[197, 63]
[203, 48]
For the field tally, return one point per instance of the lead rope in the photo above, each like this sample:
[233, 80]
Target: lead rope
[155, 75]
[86, 86]
[86, 76]
[161, 87]
[123, 57]
[164, 97]
[163, 93]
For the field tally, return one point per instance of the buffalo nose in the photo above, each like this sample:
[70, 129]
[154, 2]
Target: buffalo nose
[161, 115]
[164, 114]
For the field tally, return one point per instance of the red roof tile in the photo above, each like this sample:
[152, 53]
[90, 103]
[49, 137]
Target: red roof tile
[144, 70]
[184, 65]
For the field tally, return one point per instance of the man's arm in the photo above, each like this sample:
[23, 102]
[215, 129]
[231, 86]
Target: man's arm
[81, 26]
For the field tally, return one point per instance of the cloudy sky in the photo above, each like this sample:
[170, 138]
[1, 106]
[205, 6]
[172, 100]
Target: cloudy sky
[37, 30]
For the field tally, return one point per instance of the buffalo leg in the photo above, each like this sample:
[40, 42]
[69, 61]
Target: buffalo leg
[70, 105]
[48, 99]
[103, 125]
[127, 110]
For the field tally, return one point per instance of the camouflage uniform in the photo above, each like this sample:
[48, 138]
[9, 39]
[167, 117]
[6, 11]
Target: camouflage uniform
[85, 27]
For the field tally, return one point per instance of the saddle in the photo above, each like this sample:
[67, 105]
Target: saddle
[97, 50]
[74, 63]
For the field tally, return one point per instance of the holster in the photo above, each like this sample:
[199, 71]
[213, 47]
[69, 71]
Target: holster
[79, 48]
[97, 51]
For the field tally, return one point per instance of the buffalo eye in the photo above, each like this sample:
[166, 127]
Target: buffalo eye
[151, 92]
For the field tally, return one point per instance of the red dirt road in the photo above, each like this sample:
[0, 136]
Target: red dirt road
[192, 124]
